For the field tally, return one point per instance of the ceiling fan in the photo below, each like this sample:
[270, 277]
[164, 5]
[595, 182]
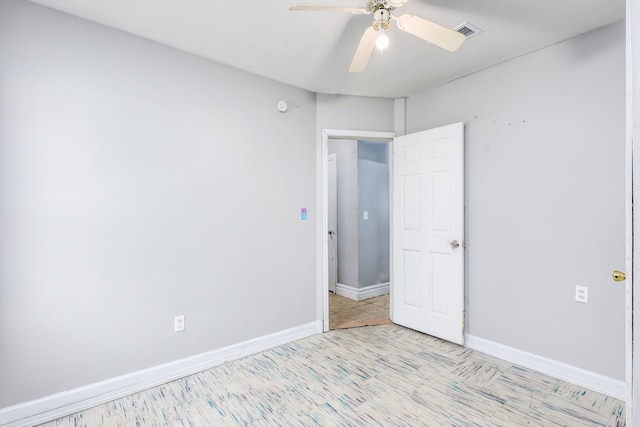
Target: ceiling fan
[436, 34]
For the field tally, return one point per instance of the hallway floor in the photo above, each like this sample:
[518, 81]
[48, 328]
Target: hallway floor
[347, 313]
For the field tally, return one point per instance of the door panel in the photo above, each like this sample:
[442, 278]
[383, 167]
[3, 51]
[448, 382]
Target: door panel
[428, 215]
[410, 199]
[411, 276]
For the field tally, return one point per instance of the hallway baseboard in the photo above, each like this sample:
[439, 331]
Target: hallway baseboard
[359, 294]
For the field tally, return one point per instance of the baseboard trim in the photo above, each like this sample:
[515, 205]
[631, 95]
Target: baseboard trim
[62, 404]
[347, 291]
[591, 380]
[373, 291]
[359, 294]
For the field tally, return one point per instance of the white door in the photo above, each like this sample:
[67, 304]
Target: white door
[428, 231]
[332, 220]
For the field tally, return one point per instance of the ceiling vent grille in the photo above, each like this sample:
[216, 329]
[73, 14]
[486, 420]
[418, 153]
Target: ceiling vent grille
[467, 29]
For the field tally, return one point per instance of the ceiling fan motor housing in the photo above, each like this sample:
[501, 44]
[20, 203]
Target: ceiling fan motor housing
[381, 18]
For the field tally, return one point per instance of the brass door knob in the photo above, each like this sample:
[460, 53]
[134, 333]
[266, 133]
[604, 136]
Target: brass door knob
[619, 276]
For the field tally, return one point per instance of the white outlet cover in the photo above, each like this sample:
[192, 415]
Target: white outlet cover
[178, 323]
[582, 294]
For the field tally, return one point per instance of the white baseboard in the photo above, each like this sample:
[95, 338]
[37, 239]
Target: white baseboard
[591, 380]
[359, 294]
[347, 291]
[373, 291]
[69, 402]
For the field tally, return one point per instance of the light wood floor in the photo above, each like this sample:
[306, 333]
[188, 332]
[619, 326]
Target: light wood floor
[347, 313]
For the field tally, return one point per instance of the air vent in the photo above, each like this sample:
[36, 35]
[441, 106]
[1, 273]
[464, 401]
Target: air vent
[467, 30]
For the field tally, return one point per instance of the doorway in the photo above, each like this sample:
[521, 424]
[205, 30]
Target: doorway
[345, 297]
[358, 185]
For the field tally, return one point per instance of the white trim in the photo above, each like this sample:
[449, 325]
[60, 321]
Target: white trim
[632, 353]
[373, 291]
[347, 291]
[554, 368]
[61, 404]
[322, 277]
[360, 294]
[334, 202]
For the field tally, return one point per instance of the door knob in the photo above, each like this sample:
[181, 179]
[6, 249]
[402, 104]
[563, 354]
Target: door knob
[619, 276]
[454, 244]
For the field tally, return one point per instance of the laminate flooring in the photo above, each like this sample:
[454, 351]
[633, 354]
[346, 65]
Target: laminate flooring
[368, 376]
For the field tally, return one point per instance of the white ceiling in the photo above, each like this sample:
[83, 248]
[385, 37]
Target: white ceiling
[313, 50]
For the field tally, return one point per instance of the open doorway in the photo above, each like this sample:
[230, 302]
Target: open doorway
[427, 261]
[357, 224]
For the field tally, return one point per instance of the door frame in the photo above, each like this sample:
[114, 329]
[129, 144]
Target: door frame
[334, 236]
[322, 245]
[632, 191]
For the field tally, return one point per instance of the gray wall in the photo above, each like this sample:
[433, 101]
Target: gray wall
[346, 151]
[138, 183]
[373, 197]
[353, 113]
[545, 186]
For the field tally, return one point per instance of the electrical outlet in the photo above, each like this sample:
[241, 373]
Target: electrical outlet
[582, 294]
[178, 323]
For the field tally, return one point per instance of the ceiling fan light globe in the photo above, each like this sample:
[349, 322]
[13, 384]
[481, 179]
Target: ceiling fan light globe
[382, 42]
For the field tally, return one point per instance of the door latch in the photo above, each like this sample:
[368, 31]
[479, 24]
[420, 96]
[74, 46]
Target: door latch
[619, 276]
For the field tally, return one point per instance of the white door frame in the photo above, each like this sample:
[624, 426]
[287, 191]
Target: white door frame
[632, 217]
[333, 198]
[322, 245]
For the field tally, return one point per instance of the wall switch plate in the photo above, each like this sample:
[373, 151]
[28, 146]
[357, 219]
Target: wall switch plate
[178, 323]
[365, 215]
[582, 294]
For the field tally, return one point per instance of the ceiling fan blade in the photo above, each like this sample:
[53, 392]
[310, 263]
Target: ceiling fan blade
[354, 10]
[396, 3]
[363, 52]
[434, 33]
